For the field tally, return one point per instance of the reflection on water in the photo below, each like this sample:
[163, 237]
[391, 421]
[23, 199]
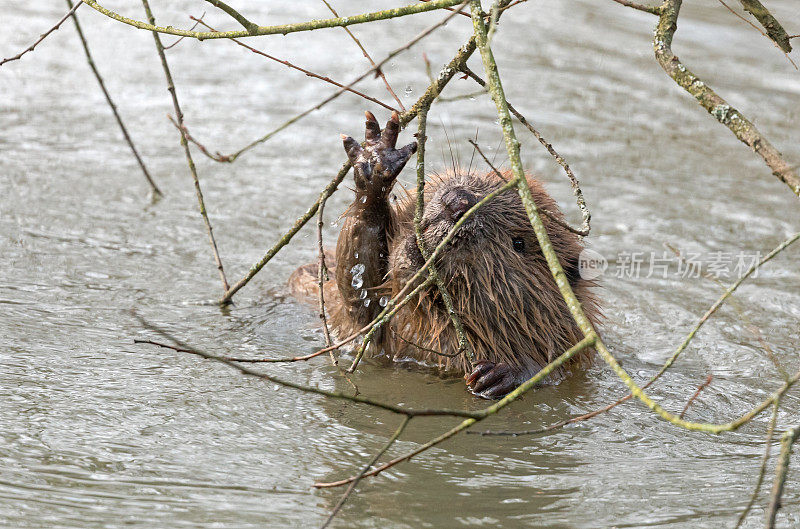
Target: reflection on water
[98, 432]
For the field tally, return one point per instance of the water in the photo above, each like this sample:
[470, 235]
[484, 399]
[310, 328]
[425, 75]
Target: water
[99, 432]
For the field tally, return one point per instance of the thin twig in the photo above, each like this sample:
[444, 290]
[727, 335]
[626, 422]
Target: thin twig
[700, 389]
[185, 144]
[576, 187]
[782, 468]
[471, 95]
[463, 343]
[179, 39]
[372, 461]
[367, 56]
[110, 101]
[343, 89]
[322, 276]
[42, 36]
[459, 11]
[763, 470]
[310, 389]
[309, 73]
[426, 349]
[238, 17]
[183, 129]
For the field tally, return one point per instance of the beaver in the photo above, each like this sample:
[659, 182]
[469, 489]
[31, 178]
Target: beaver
[514, 317]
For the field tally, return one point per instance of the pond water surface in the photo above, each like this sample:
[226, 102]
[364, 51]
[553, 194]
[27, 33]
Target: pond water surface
[98, 432]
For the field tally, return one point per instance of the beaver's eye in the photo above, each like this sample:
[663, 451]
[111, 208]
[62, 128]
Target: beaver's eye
[519, 244]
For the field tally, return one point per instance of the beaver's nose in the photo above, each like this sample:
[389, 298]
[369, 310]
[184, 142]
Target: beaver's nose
[457, 201]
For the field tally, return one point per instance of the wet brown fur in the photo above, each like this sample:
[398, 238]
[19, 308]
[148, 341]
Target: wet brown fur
[509, 304]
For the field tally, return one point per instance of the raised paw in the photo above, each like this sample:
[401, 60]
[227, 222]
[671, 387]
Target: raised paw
[490, 380]
[377, 164]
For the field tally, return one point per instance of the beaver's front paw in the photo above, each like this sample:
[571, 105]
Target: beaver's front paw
[491, 380]
[377, 164]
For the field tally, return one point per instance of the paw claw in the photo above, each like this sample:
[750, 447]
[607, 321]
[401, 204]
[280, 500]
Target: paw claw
[352, 148]
[392, 130]
[373, 129]
[378, 163]
[491, 380]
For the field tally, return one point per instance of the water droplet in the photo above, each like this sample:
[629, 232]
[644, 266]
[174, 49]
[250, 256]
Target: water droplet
[380, 254]
[357, 282]
[408, 91]
[355, 254]
[383, 301]
[364, 199]
[367, 302]
[358, 269]
[363, 294]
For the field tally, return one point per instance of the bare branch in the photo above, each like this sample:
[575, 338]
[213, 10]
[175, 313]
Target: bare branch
[367, 56]
[372, 461]
[576, 187]
[763, 470]
[693, 398]
[185, 144]
[282, 29]
[310, 389]
[304, 70]
[179, 39]
[110, 101]
[655, 10]
[740, 17]
[741, 127]
[42, 36]
[781, 470]
[771, 25]
[238, 17]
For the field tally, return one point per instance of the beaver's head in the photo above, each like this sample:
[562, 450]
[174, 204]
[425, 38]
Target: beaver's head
[500, 228]
[493, 267]
[496, 238]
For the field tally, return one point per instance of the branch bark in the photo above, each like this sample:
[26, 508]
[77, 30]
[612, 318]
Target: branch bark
[771, 25]
[741, 127]
[282, 29]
